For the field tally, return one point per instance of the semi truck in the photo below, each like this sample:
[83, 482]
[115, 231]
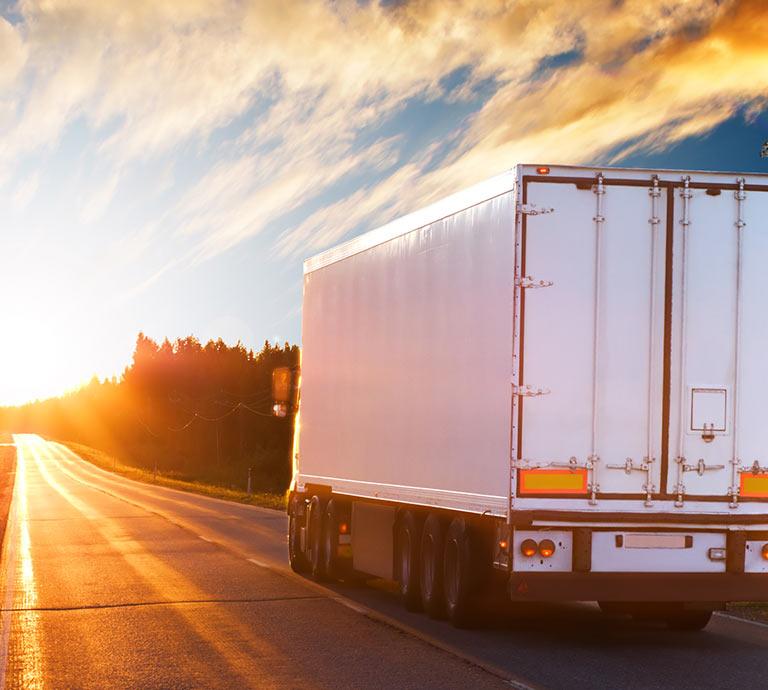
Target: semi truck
[557, 379]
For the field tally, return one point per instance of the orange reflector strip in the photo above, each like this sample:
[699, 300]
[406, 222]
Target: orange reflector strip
[754, 485]
[553, 481]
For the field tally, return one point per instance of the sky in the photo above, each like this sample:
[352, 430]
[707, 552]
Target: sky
[166, 165]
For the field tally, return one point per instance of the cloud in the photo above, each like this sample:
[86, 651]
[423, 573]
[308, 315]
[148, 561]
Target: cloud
[290, 108]
[13, 53]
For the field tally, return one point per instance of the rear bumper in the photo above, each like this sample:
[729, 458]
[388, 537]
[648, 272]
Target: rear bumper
[656, 587]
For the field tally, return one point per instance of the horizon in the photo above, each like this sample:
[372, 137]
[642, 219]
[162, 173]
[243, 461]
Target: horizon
[166, 167]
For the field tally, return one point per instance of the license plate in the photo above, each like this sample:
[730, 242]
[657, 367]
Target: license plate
[657, 541]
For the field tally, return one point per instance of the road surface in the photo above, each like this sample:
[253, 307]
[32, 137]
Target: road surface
[111, 583]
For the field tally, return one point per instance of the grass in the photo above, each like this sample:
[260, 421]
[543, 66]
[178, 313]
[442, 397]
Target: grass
[757, 611]
[265, 499]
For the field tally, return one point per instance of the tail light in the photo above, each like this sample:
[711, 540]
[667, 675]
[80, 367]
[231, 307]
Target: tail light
[764, 552]
[546, 548]
[529, 548]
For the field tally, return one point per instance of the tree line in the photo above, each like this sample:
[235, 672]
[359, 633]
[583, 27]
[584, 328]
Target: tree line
[192, 411]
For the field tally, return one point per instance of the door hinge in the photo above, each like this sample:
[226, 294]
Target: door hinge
[533, 210]
[528, 282]
[527, 391]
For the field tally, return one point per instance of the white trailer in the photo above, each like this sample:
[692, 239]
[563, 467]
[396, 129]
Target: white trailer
[560, 376]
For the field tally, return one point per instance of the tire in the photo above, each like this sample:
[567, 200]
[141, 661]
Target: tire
[431, 566]
[332, 567]
[408, 543]
[296, 557]
[315, 538]
[690, 621]
[459, 573]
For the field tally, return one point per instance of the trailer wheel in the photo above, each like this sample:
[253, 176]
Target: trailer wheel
[332, 563]
[458, 572]
[315, 538]
[408, 541]
[431, 566]
[688, 620]
[296, 557]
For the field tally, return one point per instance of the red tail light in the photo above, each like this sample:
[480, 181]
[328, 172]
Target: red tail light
[546, 548]
[529, 548]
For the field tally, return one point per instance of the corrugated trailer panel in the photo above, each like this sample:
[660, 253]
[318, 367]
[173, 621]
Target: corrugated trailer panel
[407, 361]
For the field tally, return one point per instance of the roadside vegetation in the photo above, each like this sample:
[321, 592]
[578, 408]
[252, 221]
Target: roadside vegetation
[192, 416]
[750, 611]
[106, 461]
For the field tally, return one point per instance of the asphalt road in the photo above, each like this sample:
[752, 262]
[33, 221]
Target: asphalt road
[111, 583]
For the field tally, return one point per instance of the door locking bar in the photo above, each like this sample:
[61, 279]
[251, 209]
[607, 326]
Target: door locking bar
[629, 466]
[740, 195]
[573, 464]
[645, 466]
[755, 468]
[701, 467]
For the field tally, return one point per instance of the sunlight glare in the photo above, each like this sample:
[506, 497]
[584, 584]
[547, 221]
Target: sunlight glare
[39, 354]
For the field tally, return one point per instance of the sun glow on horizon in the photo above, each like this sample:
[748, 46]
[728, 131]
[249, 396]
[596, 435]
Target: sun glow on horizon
[51, 337]
[38, 360]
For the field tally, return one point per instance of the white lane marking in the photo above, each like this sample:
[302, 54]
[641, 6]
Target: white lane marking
[256, 561]
[739, 619]
[210, 541]
[9, 559]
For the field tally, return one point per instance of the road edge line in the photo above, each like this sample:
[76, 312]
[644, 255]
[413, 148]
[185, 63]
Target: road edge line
[730, 616]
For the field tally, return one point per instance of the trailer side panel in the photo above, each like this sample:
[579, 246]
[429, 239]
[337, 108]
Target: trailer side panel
[400, 395]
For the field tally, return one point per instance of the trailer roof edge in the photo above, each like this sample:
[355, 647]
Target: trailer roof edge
[472, 196]
[467, 198]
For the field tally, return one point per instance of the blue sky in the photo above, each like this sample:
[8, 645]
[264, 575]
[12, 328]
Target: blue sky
[166, 165]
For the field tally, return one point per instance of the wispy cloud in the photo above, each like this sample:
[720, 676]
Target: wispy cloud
[314, 91]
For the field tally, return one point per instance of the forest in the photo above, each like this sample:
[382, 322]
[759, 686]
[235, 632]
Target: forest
[183, 409]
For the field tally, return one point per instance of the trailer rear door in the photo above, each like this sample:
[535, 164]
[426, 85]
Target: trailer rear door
[590, 389]
[719, 386]
[643, 362]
